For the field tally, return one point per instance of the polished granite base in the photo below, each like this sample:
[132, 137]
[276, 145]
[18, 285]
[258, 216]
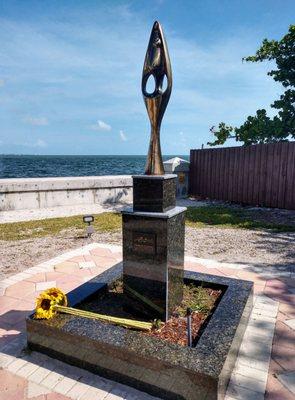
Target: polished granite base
[153, 259]
[163, 369]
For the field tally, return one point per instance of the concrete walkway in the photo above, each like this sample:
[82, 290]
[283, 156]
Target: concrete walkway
[265, 368]
[56, 212]
[67, 211]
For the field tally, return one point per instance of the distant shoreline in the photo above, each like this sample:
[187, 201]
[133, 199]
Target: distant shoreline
[45, 166]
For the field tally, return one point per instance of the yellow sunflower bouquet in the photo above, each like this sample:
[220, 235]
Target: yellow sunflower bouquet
[47, 301]
[53, 301]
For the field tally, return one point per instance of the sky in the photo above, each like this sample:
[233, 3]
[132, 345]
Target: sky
[70, 72]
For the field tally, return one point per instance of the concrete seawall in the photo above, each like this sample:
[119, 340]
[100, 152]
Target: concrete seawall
[38, 193]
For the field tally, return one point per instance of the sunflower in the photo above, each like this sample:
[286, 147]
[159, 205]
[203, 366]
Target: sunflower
[61, 298]
[46, 302]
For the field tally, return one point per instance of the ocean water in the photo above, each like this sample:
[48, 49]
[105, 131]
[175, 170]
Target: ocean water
[28, 166]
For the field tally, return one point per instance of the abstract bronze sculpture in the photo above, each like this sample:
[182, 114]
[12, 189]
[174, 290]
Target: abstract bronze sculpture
[156, 64]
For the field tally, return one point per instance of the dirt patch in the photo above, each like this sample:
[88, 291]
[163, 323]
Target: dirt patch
[18, 255]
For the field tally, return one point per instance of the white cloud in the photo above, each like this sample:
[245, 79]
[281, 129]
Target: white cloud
[38, 143]
[123, 136]
[35, 121]
[101, 126]
[181, 142]
[2, 83]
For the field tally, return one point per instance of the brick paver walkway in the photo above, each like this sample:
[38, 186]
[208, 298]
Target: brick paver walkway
[265, 368]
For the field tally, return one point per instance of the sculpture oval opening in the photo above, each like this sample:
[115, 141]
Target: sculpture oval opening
[164, 83]
[150, 86]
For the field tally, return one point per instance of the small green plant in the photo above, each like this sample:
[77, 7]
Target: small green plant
[197, 298]
[157, 324]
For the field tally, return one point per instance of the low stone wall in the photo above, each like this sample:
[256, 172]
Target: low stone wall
[33, 193]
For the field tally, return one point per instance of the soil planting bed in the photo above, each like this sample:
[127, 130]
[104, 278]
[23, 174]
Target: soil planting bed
[199, 299]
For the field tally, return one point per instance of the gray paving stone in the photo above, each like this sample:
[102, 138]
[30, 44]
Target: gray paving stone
[258, 320]
[120, 391]
[52, 379]
[239, 393]
[94, 394]
[261, 328]
[259, 351]
[65, 385]
[290, 323]
[101, 385]
[288, 380]
[39, 375]
[34, 390]
[5, 360]
[264, 299]
[249, 362]
[16, 365]
[78, 390]
[251, 372]
[248, 383]
[27, 370]
[270, 310]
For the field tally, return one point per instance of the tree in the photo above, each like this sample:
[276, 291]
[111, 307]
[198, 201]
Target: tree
[261, 128]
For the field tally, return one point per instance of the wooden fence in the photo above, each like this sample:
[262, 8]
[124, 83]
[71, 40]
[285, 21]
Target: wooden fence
[262, 174]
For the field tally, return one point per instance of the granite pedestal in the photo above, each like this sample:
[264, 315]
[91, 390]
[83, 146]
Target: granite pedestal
[153, 246]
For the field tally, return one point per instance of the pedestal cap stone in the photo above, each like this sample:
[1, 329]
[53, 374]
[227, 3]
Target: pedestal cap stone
[154, 193]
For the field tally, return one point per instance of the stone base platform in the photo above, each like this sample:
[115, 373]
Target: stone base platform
[155, 366]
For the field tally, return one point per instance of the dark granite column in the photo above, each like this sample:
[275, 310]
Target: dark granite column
[153, 245]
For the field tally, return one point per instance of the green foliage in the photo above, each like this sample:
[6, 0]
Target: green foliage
[232, 217]
[261, 128]
[157, 324]
[197, 298]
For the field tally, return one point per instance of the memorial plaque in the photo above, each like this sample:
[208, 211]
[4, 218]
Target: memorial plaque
[144, 243]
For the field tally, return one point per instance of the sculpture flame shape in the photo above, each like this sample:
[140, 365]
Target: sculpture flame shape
[156, 64]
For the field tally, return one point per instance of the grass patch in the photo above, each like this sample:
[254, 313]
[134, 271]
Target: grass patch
[105, 222]
[196, 217]
[197, 298]
[231, 217]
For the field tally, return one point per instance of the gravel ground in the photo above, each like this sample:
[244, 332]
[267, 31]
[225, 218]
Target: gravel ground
[19, 255]
[261, 248]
